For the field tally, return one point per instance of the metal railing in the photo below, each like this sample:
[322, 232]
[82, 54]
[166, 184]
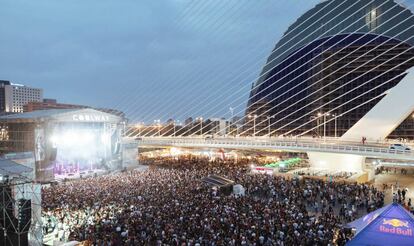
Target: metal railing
[331, 146]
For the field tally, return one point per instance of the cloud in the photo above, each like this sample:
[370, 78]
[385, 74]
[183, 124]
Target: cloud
[152, 59]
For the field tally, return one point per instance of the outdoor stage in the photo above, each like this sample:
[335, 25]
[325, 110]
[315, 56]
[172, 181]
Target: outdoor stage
[66, 143]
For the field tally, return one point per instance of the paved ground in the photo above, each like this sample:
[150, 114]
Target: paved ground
[396, 181]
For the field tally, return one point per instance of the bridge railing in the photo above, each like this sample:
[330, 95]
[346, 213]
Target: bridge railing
[272, 143]
[301, 139]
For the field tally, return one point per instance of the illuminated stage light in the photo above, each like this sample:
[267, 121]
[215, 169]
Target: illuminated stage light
[105, 138]
[86, 137]
[54, 139]
[70, 138]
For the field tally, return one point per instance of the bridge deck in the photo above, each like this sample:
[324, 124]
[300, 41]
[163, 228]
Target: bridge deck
[374, 150]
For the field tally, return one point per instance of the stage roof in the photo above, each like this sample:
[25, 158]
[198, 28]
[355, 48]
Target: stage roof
[62, 115]
[11, 168]
[391, 225]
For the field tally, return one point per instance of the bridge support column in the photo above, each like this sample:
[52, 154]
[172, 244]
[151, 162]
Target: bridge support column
[336, 162]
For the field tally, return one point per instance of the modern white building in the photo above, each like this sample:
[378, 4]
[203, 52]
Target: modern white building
[14, 96]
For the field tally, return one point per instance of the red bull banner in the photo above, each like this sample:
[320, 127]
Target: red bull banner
[388, 226]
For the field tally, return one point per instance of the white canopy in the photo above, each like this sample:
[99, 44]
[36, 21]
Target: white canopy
[11, 168]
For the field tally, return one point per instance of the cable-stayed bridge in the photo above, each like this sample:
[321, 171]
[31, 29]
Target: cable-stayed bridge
[343, 69]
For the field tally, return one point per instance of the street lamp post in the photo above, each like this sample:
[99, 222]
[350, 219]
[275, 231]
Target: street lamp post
[231, 119]
[175, 123]
[324, 126]
[324, 123]
[158, 125]
[335, 116]
[254, 123]
[139, 129]
[318, 123]
[201, 125]
[268, 123]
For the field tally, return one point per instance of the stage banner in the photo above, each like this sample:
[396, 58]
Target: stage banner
[40, 145]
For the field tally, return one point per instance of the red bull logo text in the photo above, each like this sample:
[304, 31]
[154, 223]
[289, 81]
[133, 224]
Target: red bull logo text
[396, 226]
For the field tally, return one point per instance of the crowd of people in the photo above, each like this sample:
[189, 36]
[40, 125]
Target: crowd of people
[389, 170]
[168, 204]
[324, 173]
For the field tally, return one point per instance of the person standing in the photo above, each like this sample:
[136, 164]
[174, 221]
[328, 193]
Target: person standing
[394, 197]
[403, 192]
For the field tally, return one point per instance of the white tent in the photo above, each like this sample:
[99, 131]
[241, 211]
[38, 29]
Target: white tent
[239, 190]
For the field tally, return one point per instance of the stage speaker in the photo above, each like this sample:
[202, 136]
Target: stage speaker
[24, 214]
[53, 154]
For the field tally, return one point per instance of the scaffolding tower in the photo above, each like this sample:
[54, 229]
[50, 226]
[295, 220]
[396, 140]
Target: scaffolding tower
[20, 211]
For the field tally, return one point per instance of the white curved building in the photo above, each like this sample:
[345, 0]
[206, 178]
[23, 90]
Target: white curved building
[339, 59]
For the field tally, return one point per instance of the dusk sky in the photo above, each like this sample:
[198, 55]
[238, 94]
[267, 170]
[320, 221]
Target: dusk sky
[153, 59]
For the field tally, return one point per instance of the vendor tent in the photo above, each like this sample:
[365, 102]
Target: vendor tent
[390, 225]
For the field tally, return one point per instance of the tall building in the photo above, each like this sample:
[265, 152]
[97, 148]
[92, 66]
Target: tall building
[188, 121]
[218, 126]
[14, 96]
[332, 65]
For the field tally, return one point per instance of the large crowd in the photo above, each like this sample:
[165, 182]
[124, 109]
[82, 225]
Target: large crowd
[168, 204]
